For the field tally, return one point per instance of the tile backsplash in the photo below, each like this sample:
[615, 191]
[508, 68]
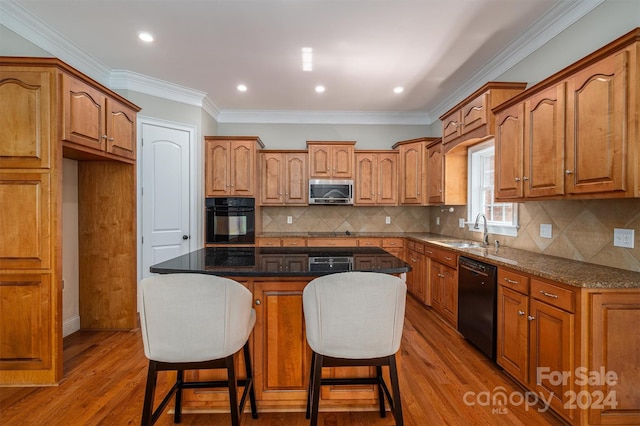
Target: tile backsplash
[581, 230]
[345, 218]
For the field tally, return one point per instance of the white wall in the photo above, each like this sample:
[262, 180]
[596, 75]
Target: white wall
[70, 255]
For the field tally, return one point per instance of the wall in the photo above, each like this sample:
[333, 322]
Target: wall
[581, 230]
[345, 218]
[294, 136]
[70, 273]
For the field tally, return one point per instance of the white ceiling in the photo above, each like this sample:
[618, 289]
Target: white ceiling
[438, 50]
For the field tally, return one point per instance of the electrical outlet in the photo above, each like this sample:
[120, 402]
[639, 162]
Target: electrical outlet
[623, 237]
[289, 219]
[461, 222]
[438, 220]
[387, 220]
[546, 230]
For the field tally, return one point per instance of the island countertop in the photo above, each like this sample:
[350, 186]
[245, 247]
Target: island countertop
[282, 261]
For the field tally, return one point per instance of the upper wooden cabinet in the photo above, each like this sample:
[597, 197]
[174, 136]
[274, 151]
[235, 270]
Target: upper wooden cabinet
[472, 118]
[230, 165]
[576, 134]
[95, 122]
[283, 178]
[331, 160]
[376, 180]
[412, 170]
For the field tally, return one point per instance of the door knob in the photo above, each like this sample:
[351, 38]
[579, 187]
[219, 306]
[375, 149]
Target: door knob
[185, 237]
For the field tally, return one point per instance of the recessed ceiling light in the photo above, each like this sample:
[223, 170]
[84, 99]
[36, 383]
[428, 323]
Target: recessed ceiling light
[319, 88]
[145, 36]
[398, 90]
[241, 88]
[307, 59]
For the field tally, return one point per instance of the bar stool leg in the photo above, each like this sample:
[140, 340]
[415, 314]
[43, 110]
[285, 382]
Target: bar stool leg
[397, 405]
[317, 378]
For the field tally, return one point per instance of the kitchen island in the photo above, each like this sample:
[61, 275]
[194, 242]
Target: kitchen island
[276, 276]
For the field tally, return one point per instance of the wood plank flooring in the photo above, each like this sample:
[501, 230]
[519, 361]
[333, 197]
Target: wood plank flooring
[105, 373]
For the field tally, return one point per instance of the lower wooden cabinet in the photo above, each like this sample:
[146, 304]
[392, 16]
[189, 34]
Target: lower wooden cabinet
[443, 280]
[417, 277]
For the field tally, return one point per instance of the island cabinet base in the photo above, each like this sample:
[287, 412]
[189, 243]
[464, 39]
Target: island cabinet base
[281, 359]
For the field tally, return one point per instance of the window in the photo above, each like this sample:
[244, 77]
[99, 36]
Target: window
[502, 218]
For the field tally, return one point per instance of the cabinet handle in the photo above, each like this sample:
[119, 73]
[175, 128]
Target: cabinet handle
[531, 317]
[104, 136]
[511, 281]
[293, 244]
[517, 179]
[413, 260]
[568, 172]
[551, 295]
[521, 313]
[525, 178]
[447, 258]
[110, 139]
[258, 301]
[441, 276]
[429, 252]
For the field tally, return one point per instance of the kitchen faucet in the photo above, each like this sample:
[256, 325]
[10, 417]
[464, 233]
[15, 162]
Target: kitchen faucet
[485, 232]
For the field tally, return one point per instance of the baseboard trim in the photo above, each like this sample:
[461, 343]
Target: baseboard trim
[70, 326]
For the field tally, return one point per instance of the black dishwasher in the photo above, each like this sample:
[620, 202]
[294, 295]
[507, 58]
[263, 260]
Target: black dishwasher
[477, 294]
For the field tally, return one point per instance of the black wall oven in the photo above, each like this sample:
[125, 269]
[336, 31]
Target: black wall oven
[230, 220]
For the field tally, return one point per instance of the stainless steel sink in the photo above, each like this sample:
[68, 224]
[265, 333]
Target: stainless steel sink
[461, 244]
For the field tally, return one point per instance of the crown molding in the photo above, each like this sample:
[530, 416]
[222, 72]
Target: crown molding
[129, 80]
[553, 22]
[324, 117]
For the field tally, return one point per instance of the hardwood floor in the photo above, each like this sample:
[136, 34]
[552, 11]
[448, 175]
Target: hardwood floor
[105, 373]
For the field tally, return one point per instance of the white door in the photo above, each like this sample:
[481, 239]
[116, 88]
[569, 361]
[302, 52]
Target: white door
[165, 192]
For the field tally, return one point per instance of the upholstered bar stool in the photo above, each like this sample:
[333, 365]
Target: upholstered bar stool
[195, 322]
[355, 319]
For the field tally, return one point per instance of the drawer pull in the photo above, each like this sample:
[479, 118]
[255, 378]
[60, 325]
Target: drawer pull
[413, 260]
[544, 293]
[510, 281]
[531, 317]
[521, 313]
[448, 258]
[441, 276]
[429, 252]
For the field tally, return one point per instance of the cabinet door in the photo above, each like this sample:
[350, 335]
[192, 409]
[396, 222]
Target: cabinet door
[387, 179]
[121, 130]
[544, 142]
[84, 114]
[508, 147]
[273, 175]
[437, 285]
[450, 294]
[513, 333]
[474, 114]
[451, 127]
[598, 100]
[435, 172]
[242, 168]
[613, 327]
[280, 343]
[342, 161]
[320, 162]
[551, 334]
[25, 323]
[217, 165]
[411, 183]
[420, 278]
[366, 178]
[25, 228]
[296, 183]
[26, 128]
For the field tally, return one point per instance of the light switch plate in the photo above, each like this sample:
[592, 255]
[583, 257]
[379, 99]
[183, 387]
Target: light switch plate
[387, 220]
[546, 230]
[461, 222]
[438, 220]
[623, 237]
[289, 219]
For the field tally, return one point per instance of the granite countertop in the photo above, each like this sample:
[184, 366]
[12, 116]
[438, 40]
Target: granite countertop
[566, 271]
[282, 261]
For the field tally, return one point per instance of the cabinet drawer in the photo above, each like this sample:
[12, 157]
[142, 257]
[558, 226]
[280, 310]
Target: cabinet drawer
[331, 242]
[553, 295]
[294, 242]
[369, 242]
[268, 242]
[443, 256]
[517, 282]
[392, 243]
[419, 248]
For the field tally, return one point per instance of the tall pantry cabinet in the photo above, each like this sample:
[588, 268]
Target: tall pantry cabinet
[49, 111]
